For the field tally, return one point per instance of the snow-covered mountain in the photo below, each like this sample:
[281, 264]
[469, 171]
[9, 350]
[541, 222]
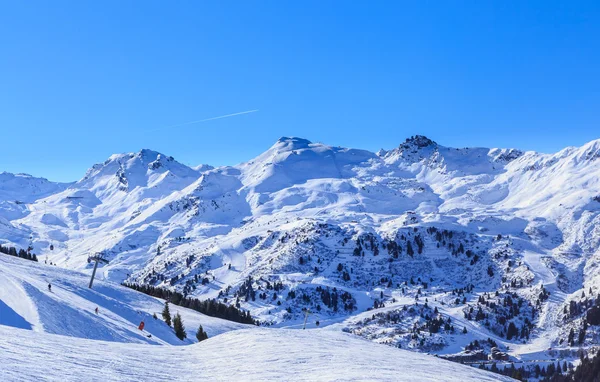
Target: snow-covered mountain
[16, 191]
[489, 241]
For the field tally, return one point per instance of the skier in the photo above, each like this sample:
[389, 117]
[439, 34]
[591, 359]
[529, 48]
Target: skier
[49, 288]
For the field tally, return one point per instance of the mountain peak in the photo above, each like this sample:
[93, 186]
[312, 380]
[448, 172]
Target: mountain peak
[292, 143]
[414, 149]
[146, 157]
[150, 154]
[16, 175]
[293, 139]
[203, 167]
[419, 141]
[134, 168]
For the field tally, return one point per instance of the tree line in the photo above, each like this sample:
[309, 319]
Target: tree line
[587, 371]
[21, 253]
[209, 307]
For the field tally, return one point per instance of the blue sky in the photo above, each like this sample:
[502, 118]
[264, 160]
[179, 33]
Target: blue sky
[80, 80]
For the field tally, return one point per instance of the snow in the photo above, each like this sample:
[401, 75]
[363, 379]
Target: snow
[107, 346]
[249, 355]
[153, 216]
[69, 308]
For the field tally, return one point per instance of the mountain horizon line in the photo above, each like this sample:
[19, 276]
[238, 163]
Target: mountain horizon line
[419, 139]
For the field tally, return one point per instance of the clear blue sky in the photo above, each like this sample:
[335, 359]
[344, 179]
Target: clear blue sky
[80, 80]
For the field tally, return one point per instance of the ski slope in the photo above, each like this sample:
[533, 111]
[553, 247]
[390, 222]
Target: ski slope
[248, 355]
[69, 308]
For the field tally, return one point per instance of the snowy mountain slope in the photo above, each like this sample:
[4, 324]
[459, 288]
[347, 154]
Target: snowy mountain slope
[249, 355]
[108, 197]
[25, 188]
[340, 231]
[68, 309]
[119, 188]
[16, 191]
[292, 161]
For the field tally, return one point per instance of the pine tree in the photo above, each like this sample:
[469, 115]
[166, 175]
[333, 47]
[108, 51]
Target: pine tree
[512, 331]
[571, 337]
[166, 314]
[201, 334]
[179, 328]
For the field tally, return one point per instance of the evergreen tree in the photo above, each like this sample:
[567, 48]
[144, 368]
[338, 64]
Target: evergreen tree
[571, 337]
[593, 315]
[512, 331]
[581, 337]
[166, 314]
[201, 334]
[179, 328]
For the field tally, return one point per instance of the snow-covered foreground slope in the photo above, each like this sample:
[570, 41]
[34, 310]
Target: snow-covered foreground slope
[69, 308]
[248, 355]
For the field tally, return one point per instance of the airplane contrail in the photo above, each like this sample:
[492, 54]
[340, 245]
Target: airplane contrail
[206, 119]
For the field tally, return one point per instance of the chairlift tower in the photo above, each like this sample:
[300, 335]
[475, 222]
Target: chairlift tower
[97, 258]
[306, 313]
[30, 246]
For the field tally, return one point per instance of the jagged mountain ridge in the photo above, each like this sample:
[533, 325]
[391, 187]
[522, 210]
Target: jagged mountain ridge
[303, 217]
